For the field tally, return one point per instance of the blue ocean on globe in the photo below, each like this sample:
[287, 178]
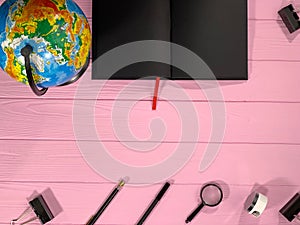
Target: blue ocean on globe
[57, 31]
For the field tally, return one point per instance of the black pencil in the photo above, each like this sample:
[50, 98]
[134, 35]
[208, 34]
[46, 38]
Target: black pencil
[95, 217]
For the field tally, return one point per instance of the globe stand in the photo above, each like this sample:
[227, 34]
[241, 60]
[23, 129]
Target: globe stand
[79, 74]
[26, 51]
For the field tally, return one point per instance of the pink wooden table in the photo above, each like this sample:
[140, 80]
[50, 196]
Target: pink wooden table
[260, 146]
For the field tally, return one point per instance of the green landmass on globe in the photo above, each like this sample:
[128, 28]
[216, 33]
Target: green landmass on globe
[58, 32]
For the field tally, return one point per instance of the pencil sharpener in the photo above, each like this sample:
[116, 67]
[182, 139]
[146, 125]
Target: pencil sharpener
[290, 18]
[292, 208]
[256, 204]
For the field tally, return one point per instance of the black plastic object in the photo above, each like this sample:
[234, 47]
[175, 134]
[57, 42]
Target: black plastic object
[26, 51]
[251, 201]
[41, 209]
[106, 203]
[45, 207]
[211, 195]
[290, 18]
[157, 199]
[292, 208]
[214, 30]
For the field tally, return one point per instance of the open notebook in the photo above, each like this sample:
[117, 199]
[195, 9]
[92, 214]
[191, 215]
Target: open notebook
[215, 30]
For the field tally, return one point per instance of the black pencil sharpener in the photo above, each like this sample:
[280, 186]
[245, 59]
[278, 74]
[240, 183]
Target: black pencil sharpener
[290, 18]
[292, 208]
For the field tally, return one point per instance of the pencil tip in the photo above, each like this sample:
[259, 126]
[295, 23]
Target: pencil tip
[171, 181]
[125, 179]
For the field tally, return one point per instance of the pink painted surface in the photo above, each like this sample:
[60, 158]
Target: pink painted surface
[260, 147]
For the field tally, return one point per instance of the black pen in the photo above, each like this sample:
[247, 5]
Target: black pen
[95, 217]
[154, 203]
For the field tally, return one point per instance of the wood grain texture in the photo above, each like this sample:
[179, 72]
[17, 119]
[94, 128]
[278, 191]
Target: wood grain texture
[260, 150]
[53, 120]
[25, 160]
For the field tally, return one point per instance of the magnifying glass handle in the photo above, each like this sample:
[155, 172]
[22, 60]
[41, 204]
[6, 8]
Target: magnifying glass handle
[194, 213]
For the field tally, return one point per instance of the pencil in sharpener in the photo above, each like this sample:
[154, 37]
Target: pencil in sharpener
[292, 208]
[43, 207]
[290, 18]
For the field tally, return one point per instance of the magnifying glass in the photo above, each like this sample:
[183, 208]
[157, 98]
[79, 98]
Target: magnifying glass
[211, 195]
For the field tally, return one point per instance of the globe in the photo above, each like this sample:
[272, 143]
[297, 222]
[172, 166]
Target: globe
[58, 33]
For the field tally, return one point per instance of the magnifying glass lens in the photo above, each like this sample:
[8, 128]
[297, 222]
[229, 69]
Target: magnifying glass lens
[211, 195]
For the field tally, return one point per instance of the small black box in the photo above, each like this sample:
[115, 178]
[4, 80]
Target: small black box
[292, 208]
[290, 18]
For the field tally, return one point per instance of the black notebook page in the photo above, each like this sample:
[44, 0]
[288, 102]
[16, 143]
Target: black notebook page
[216, 31]
[118, 22]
